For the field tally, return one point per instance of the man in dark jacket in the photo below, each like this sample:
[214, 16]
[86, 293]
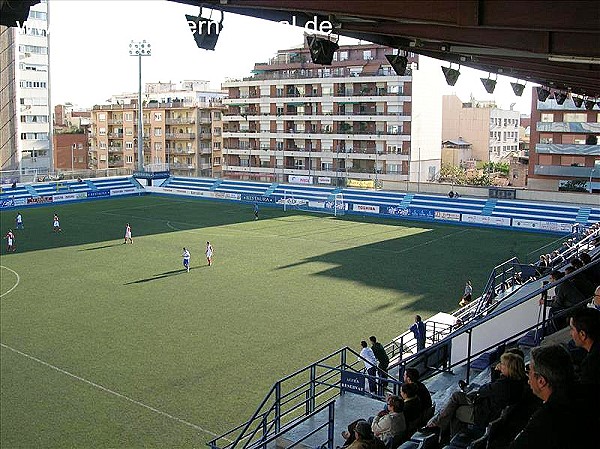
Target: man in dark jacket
[564, 420]
[383, 361]
[585, 331]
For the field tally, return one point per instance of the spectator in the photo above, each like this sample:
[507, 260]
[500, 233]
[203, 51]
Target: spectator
[370, 365]
[392, 425]
[566, 296]
[362, 437]
[383, 361]
[562, 421]
[467, 295]
[595, 302]
[580, 280]
[593, 273]
[411, 376]
[585, 331]
[419, 332]
[411, 407]
[486, 404]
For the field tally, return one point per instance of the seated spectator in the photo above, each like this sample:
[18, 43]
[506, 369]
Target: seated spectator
[412, 409]
[595, 302]
[566, 296]
[584, 326]
[364, 438]
[485, 405]
[580, 280]
[411, 376]
[563, 421]
[392, 424]
[593, 273]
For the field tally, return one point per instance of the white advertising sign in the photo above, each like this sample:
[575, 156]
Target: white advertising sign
[366, 208]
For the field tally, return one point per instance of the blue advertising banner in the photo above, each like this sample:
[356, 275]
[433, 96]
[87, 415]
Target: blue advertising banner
[421, 214]
[353, 382]
[412, 212]
[257, 198]
[8, 202]
[98, 193]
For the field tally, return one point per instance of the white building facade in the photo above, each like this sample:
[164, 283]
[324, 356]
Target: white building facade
[27, 113]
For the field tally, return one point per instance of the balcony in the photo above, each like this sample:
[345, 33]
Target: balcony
[115, 149]
[568, 127]
[171, 136]
[180, 166]
[180, 121]
[568, 149]
[115, 121]
[115, 135]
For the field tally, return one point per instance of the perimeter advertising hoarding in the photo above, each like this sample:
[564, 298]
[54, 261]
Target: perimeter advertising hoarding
[257, 198]
[361, 183]
[486, 220]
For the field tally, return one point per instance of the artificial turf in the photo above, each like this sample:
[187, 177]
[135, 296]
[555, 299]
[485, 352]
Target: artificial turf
[113, 345]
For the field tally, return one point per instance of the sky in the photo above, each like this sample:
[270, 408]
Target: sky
[90, 62]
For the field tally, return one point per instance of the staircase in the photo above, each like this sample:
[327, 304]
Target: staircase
[583, 215]
[489, 207]
[31, 190]
[406, 200]
[216, 185]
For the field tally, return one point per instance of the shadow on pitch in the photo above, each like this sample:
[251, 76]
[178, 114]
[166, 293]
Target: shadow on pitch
[166, 274]
[101, 247]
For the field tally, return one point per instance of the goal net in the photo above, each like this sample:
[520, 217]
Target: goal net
[333, 205]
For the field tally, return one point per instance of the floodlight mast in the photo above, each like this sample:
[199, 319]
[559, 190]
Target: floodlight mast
[139, 49]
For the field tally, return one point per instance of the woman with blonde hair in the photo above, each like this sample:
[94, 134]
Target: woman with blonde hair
[487, 402]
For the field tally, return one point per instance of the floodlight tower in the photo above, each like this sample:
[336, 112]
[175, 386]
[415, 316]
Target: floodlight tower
[140, 49]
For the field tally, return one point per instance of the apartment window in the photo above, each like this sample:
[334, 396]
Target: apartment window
[279, 92]
[343, 55]
[367, 55]
[547, 118]
[103, 145]
[33, 84]
[158, 116]
[158, 146]
[299, 164]
[34, 119]
[129, 145]
[129, 131]
[217, 131]
[157, 132]
[217, 145]
[34, 49]
[102, 117]
[326, 166]
[393, 168]
[33, 67]
[217, 161]
[39, 15]
[546, 138]
[217, 115]
[129, 159]
[129, 116]
[102, 131]
[575, 117]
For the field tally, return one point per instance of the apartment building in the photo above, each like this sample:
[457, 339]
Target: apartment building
[184, 135]
[71, 150]
[24, 94]
[563, 146]
[351, 122]
[492, 132]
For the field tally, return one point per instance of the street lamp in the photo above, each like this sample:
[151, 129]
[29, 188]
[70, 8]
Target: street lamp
[140, 49]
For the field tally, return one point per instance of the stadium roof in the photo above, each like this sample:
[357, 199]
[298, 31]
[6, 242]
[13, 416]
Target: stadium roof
[553, 43]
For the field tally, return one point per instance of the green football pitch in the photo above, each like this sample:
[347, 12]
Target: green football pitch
[106, 345]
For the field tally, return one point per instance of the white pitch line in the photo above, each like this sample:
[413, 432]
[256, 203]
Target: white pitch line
[108, 390]
[14, 286]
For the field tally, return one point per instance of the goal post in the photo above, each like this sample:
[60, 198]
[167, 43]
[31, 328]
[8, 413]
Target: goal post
[339, 207]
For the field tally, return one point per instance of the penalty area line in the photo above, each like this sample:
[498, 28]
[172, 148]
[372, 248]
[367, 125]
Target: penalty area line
[112, 392]
[16, 284]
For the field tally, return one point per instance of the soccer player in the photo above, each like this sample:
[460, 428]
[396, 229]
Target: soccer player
[56, 224]
[256, 211]
[128, 234]
[186, 259]
[19, 221]
[10, 241]
[209, 253]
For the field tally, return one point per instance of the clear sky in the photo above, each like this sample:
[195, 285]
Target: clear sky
[89, 53]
